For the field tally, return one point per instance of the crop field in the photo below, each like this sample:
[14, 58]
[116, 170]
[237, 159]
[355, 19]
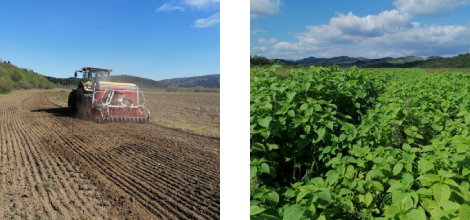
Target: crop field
[331, 143]
[55, 166]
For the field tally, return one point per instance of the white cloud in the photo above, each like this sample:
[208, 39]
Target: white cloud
[264, 41]
[256, 49]
[181, 5]
[169, 7]
[260, 8]
[372, 25]
[389, 33]
[201, 4]
[426, 41]
[429, 7]
[207, 22]
[257, 31]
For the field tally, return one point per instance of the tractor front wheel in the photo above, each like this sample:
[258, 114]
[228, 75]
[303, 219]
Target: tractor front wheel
[71, 104]
[83, 103]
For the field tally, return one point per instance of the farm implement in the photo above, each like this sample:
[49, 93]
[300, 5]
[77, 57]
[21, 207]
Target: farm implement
[104, 101]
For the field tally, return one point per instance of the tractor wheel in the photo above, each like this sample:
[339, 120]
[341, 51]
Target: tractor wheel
[82, 103]
[70, 104]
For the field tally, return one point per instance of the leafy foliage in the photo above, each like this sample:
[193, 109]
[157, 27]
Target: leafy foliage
[346, 144]
[12, 77]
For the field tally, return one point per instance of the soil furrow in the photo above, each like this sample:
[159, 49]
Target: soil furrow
[103, 171]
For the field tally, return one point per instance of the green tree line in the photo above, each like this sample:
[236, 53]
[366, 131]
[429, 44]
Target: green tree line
[64, 81]
[12, 77]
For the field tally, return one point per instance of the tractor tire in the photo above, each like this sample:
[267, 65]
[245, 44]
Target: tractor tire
[81, 104]
[71, 103]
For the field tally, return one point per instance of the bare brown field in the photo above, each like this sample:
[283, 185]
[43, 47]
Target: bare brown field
[55, 166]
[193, 112]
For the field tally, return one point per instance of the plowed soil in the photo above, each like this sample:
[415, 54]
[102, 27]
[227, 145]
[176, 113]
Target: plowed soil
[56, 166]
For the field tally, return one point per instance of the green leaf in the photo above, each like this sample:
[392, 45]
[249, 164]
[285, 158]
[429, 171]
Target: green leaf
[395, 187]
[441, 192]
[378, 186]
[377, 160]
[424, 192]
[303, 106]
[254, 210]
[344, 191]
[301, 195]
[342, 137]
[332, 177]
[368, 199]
[424, 166]
[307, 86]
[264, 216]
[406, 203]
[321, 133]
[330, 125]
[268, 106]
[272, 197]
[258, 146]
[289, 193]
[408, 132]
[397, 197]
[290, 96]
[429, 177]
[406, 147]
[273, 146]
[407, 178]
[265, 121]
[465, 171]
[391, 211]
[415, 214]
[462, 113]
[253, 171]
[397, 168]
[464, 212]
[319, 87]
[419, 136]
[291, 113]
[350, 172]
[429, 205]
[264, 168]
[307, 129]
[293, 212]
[325, 196]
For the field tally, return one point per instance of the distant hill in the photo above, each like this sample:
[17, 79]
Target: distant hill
[208, 81]
[349, 61]
[340, 61]
[460, 61]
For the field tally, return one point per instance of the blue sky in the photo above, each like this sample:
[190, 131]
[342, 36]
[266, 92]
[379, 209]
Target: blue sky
[361, 28]
[151, 39]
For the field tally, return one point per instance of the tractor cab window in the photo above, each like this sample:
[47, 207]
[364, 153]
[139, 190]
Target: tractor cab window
[88, 76]
[98, 76]
[101, 76]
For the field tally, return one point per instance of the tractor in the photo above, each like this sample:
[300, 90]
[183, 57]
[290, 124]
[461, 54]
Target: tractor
[103, 101]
